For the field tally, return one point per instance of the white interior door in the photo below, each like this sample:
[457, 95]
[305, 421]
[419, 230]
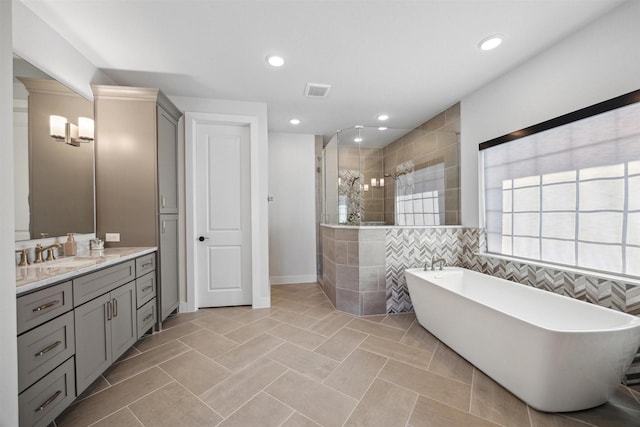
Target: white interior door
[223, 215]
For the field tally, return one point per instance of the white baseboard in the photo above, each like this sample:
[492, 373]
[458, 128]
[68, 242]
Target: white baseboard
[288, 280]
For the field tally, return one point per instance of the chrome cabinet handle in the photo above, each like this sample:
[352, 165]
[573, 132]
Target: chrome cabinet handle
[45, 306]
[146, 288]
[163, 201]
[164, 227]
[147, 317]
[49, 401]
[148, 264]
[48, 349]
[109, 315]
[115, 308]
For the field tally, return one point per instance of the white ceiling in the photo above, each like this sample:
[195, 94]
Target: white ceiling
[410, 59]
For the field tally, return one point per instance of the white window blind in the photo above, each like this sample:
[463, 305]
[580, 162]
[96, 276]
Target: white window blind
[569, 194]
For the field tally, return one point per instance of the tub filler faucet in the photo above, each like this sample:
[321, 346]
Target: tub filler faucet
[435, 261]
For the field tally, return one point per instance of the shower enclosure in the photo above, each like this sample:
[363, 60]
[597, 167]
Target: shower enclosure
[382, 176]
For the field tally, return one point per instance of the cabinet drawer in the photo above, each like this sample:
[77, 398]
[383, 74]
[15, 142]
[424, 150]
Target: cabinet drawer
[145, 288]
[145, 264]
[43, 348]
[146, 317]
[93, 285]
[38, 307]
[45, 400]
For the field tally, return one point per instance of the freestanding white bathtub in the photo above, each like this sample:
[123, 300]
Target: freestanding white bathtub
[555, 353]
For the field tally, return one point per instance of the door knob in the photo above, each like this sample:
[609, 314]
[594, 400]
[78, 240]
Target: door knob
[202, 238]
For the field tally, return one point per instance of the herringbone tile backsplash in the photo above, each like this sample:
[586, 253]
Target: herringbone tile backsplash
[413, 247]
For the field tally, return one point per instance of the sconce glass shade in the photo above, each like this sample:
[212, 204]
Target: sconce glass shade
[85, 129]
[381, 182]
[374, 182]
[58, 127]
[73, 132]
[366, 187]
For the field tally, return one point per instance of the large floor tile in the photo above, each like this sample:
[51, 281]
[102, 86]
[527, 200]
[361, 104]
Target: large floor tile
[301, 337]
[608, 415]
[341, 344]
[165, 336]
[450, 364]
[295, 319]
[122, 418]
[299, 420]
[385, 404]
[320, 311]
[400, 320]
[252, 330]
[134, 365]
[322, 404]
[173, 405]
[330, 324]
[263, 410]
[209, 343]
[397, 351]
[491, 401]
[239, 388]
[195, 371]
[428, 412]
[289, 305]
[419, 337]
[377, 329]
[218, 323]
[113, 399]
[445, 390]
[354, 376]
[304, 361]
[248, 352]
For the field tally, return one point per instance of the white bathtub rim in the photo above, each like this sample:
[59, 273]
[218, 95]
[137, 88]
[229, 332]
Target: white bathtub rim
[633, 321]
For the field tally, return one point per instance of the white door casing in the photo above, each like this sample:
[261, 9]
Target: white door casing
[223, 215]
[258, 191]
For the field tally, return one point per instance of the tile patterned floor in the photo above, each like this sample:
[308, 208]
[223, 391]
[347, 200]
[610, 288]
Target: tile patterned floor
[301, 363]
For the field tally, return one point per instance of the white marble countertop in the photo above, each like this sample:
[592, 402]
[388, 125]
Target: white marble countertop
[40, 275]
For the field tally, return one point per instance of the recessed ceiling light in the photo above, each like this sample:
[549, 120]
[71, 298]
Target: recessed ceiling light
[383, 117]
[490, 42]
[383, 128]
[275, 60]
[294, 121]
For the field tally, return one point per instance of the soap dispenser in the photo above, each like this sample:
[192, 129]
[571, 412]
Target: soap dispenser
[70, 246]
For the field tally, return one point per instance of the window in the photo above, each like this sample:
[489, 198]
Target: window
[569, 193]
[419, 195]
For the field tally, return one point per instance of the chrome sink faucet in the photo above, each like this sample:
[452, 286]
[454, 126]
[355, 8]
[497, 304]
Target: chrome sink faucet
[435, 261]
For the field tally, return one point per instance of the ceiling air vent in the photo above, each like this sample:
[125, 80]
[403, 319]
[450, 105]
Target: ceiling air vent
[316, 90]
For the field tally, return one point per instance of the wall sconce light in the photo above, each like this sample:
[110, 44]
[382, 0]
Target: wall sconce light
[86, 128]
[381, 182]
[366, 187]
[62, 130]
[374, 182]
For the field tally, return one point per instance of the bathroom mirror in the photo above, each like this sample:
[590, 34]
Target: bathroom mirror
[54, 176]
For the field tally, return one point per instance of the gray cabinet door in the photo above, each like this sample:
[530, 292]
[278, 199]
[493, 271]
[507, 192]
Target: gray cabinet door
[124, 332]
[167, 162]
[168, 293]
[93, 340]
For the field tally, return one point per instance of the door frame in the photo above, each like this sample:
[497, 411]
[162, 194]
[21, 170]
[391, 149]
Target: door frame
[260, 298]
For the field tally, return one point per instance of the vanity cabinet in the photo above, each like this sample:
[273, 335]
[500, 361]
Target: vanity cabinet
[46, 348]
[137, 178]
[71, 332]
